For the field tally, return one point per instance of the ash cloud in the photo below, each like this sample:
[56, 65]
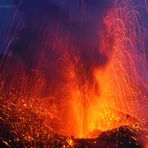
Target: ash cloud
[42, 25]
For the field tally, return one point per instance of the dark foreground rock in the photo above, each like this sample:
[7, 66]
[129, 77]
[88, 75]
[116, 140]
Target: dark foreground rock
[123, 137]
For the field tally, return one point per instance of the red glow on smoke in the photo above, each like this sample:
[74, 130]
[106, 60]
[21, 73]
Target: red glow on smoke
[74, 107]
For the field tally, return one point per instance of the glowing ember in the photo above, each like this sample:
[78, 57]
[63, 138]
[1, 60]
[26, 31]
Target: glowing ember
[83, 110]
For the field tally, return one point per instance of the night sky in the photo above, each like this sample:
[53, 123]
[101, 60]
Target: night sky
[30, 28]
[40, 33]
[83, 21]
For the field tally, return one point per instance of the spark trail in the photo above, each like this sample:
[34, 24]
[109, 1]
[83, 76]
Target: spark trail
[85, 103]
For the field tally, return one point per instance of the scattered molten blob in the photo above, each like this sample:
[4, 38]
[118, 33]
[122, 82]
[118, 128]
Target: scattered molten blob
[115, 100]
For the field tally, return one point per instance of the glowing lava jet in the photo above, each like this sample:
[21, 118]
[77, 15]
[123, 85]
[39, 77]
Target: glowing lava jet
[115, 97]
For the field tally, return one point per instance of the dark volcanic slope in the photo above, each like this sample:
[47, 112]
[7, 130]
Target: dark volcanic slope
[123, 137]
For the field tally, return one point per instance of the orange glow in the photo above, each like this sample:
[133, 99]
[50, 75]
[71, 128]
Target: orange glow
[80, 110]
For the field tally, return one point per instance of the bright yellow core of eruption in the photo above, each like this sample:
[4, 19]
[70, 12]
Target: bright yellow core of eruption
[91, 111]
[117, 103]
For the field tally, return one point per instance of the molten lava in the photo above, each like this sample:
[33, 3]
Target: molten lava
[81, 110]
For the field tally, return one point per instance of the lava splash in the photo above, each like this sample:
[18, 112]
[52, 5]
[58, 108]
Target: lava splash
[74, 92]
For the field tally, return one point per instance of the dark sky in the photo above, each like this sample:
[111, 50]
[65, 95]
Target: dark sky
[28, 23]
[6, 12]
[90, 13]
[33, 26]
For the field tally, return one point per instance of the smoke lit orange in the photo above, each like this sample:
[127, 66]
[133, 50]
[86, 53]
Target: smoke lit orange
[114, 98]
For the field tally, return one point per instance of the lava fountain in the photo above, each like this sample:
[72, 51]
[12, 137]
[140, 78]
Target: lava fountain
[82, 100]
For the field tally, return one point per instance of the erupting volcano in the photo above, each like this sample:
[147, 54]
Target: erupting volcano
[73, 73]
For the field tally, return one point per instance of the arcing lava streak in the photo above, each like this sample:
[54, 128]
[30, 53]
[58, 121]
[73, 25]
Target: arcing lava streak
[68, 77]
